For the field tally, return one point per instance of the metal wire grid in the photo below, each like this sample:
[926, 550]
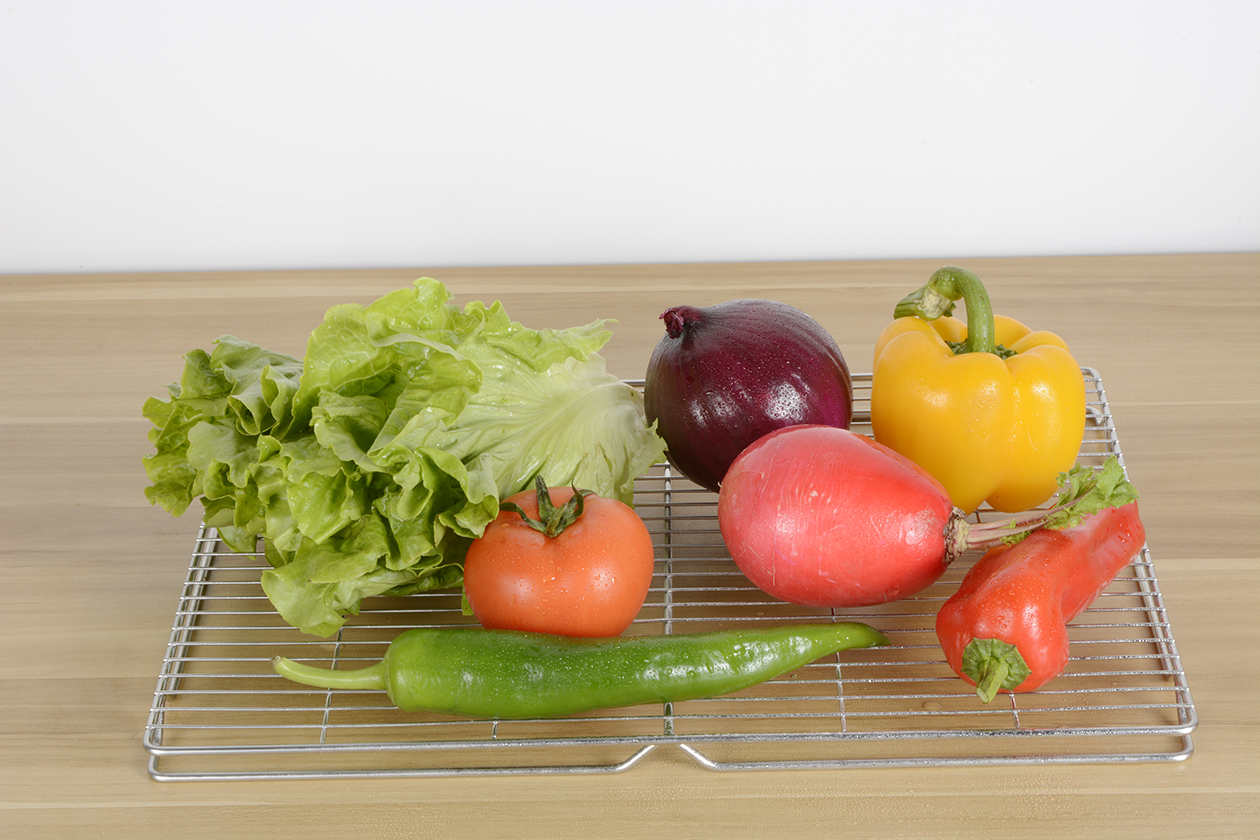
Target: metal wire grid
[219, 712]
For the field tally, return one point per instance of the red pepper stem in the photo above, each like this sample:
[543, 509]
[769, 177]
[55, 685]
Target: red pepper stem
[993, 665]
[992, 680]
[936, 299]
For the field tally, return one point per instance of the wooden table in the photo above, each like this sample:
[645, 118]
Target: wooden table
[92, 573]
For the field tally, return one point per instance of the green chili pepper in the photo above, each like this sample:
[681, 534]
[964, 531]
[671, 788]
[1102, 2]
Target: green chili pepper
[508, 674]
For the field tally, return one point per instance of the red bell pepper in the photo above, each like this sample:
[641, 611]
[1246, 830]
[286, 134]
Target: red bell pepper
[1005, 629]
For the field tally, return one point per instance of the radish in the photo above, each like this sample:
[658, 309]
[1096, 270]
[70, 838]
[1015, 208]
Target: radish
[825, 517]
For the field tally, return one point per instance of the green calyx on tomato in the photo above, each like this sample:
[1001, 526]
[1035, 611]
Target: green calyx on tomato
[588, 579]
[552, 519]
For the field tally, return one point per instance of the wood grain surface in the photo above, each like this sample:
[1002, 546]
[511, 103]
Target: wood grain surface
[90, 573]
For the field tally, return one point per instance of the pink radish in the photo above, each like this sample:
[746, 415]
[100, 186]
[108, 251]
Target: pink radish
[826, 517]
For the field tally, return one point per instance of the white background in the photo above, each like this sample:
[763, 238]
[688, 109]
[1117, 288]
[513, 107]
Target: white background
[235, 135]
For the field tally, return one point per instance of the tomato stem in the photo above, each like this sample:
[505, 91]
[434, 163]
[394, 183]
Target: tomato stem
[552, 519]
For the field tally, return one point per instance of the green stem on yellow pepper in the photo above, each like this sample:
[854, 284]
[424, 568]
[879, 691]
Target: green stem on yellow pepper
[936, 299]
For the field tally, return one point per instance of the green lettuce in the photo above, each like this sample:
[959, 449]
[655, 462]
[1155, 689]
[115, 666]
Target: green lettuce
[368, 466]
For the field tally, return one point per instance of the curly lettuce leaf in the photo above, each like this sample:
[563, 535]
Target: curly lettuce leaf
[369, 465]
[325, 582]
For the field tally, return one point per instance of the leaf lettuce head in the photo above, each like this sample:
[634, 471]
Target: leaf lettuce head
[368, 466]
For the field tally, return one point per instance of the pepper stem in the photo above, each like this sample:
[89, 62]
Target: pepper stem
[373, 677]
[552, 520]
[936, 299]
[993, 665]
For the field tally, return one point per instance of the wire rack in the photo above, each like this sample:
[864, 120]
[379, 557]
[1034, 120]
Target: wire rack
[220, 712]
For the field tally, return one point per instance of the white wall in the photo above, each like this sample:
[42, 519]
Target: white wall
[169, 135]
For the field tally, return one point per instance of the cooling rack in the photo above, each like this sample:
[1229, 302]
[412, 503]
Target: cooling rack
[220, 712]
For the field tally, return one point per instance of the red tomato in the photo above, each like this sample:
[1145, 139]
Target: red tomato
[589, 580]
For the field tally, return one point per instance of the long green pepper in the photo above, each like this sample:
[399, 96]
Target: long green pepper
[512, 675]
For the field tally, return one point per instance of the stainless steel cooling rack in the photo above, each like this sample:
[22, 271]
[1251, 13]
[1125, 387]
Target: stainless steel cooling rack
[219, 712]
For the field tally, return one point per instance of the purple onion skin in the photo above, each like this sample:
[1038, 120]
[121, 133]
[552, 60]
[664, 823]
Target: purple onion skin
[723, 376]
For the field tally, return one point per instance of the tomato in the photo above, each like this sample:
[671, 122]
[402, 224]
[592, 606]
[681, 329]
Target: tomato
[825, 517]
[590, 579]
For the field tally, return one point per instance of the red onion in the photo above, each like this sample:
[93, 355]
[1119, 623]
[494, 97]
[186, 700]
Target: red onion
[725, 375]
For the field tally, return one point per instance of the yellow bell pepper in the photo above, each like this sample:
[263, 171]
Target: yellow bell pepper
[993, 410]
